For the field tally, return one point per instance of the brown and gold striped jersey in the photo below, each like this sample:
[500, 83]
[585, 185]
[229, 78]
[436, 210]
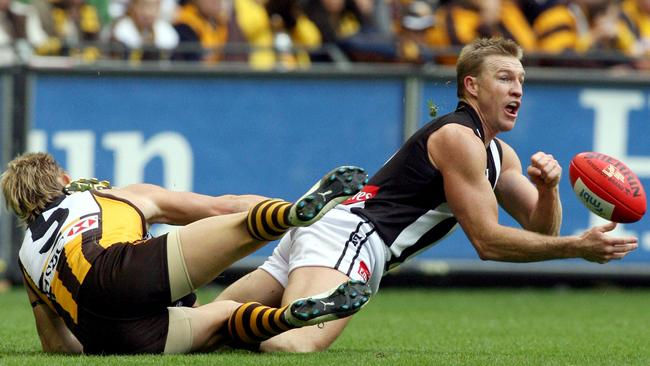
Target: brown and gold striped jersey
[61, 244]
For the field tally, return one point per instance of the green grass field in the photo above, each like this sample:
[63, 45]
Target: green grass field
[424, 327]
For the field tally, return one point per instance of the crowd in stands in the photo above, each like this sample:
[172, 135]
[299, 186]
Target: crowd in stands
[291, 34]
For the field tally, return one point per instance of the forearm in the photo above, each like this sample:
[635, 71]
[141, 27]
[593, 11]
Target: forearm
[54, 335]
[191, 207]
[508, 244]
[56, 338]
[546, 218]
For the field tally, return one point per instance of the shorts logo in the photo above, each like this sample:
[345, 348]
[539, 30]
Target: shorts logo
[367, 193]
[363, 271]
[88, 223]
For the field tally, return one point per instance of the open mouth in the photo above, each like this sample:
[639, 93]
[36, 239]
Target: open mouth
[512, 108]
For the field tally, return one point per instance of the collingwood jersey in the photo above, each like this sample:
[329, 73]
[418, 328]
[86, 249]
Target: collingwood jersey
[62, 243]
[406, 200]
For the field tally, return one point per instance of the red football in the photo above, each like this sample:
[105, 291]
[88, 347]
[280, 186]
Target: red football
[607, 187]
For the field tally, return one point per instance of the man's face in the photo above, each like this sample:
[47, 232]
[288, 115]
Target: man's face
[333, 6]
[146, 12]
[499, 92]
[209, 8]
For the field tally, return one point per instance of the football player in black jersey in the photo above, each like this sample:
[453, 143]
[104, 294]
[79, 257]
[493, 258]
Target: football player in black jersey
[453, 172]
[98, 283]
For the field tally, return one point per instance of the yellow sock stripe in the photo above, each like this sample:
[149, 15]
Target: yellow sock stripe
[253, 322]
[265, 322]
[254, 220]
[273, 213]
[283, 215]
[278, 321]
[258, 218]
[239, 323]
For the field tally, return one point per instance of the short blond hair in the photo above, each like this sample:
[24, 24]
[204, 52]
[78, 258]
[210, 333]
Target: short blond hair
[31, 181]
[472, 56]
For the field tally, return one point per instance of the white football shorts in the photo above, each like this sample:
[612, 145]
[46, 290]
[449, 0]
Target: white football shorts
[340, 240]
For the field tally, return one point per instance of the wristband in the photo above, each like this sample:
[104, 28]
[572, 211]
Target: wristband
[37, 302]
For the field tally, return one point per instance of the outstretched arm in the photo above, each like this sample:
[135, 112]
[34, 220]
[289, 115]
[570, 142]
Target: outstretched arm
[474, 205]
[160, 205]
[54, 334]
[535, 204]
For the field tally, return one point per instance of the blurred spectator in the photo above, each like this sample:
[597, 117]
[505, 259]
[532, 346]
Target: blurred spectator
[294, 35]
[76, 26]
[532, 8]
[635, 27]
[142, 34]
[340, 21]
[246, 31]
[461, 21]
[203, 27]
[253, 21]
[579, 26]
[118, 8]
[20, 32]
[416, 25]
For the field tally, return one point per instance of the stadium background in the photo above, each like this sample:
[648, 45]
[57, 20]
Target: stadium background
[238, 131]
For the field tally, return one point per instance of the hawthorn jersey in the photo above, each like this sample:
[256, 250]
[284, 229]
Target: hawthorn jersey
[62, 243]
[405, 201]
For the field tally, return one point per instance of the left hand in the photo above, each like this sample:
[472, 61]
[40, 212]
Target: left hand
[544, 171]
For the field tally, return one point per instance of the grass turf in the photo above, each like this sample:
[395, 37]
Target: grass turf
[423, 327]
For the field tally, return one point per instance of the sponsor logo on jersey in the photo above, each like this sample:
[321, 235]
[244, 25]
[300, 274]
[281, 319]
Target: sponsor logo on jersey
[363, 271]
[367, 193]
[87, 223]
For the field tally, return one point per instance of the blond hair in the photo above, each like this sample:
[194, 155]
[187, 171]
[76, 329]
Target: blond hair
[472, 56]
[31, 181]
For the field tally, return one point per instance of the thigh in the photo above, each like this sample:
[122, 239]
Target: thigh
[211, 245]
[257, 286]
[341, 241]
[305, 282]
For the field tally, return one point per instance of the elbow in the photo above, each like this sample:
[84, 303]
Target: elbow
[484, 249]
[484, 254]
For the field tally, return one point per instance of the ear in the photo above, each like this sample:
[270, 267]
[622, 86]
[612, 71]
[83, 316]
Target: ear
[65, 179]
[471, 85]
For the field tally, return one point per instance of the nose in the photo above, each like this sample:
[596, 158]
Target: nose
[517, 89]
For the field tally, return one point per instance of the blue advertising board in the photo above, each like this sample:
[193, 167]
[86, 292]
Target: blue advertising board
[276, 136]
[273, 137]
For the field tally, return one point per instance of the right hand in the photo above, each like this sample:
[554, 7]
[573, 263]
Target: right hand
[597, 246]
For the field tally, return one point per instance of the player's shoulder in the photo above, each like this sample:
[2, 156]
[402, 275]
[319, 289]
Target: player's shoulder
[455, 135]
[453, 146]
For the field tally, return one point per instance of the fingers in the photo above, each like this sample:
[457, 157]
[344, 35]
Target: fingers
[606, 247]
[618, 251]
[624, 248]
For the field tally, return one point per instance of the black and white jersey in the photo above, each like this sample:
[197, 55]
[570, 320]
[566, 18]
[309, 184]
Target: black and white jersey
[405, 200]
